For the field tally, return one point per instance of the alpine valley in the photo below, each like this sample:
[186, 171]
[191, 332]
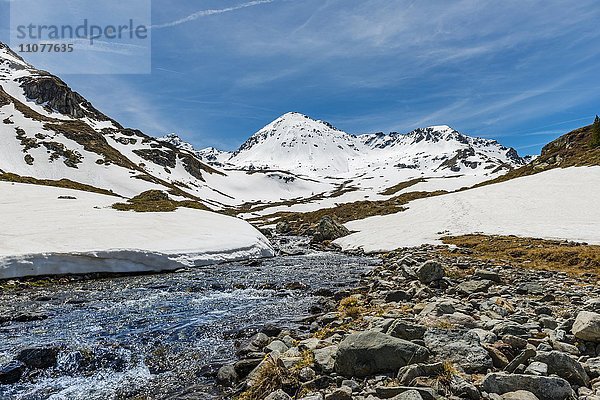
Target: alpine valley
[308, 264]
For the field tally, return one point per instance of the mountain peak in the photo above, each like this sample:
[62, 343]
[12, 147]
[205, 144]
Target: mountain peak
[8, 55]
[298, 119]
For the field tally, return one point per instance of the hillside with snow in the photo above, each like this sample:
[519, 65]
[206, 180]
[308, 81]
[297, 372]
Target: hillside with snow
[556, 204]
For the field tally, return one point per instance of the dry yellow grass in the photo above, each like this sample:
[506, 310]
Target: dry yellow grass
[572, 258]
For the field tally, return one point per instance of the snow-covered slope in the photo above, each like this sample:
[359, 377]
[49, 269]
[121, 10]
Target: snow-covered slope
[50, 132]
[44, 235]
[557, 204]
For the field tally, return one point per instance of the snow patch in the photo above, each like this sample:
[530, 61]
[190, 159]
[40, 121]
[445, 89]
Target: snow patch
[46, 235]
[557, 204]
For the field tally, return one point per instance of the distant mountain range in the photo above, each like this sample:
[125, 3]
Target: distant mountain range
[300, 144]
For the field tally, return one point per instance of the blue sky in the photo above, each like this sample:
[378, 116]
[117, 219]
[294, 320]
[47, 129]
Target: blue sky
[521, 72]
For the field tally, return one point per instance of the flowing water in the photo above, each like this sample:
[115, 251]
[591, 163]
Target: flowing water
[157, 336]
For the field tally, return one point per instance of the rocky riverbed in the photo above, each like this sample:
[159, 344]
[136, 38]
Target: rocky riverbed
[429, 325]
[160, 336]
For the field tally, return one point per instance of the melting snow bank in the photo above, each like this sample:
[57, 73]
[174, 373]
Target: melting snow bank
[42, 234]
[557, 204]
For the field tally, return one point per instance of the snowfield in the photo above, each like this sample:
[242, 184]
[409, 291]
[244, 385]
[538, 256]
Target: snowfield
[557, 204]
[44, 235]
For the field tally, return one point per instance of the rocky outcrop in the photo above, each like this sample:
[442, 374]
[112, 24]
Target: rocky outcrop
[56, 95]
[327, 229]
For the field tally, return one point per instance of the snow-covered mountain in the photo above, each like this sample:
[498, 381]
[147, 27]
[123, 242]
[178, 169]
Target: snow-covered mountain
[51, 132]
[297, 143]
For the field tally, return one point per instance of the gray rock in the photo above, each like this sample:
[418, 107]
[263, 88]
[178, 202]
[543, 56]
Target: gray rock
[312, 396]
[343, 393]
[366, 353]
[489, 275]
[277, 345]
[474, 286]
[227, 376]
[510, 328]
[307, 374]
[389, 392]
[519, 395]
[463, 389]
[543, 310]
[521, 359]
[396, 296]
[565, 348]
[530, 288]
[462, 348]
[406, 375]
[537, 368]
[544, 387]
[441, 307]
[329, 229]
[564, 366]
[409, 395]
[325, 358]
[430, 271]
[11, 373]
[592, 367]
[278, 395]
[548, 322]
[39, 357]
[587, 326]
[406, 330]
[351, 384]
[484, 336]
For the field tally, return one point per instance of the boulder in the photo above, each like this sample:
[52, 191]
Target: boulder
[537, 368]
[587, 326]
[519, 395]
[564, 366]
[462, 348]
[430, 271]
[406, 330]
[367, 353]
[277, 345]
[343, 393]
[11, 373]
[278, 395]
[409, 395]
[592, 367]
[325, 358]
[474, 286]
[543, 387]
[227, 376]
[328, 229]
[39, 357]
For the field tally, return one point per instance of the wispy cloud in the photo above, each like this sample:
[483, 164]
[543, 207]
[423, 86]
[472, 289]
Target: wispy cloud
[206, 13]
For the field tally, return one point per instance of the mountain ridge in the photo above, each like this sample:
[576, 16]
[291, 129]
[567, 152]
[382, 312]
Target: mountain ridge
[299, 143]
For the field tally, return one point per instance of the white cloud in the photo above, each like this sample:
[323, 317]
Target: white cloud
[206, 13]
